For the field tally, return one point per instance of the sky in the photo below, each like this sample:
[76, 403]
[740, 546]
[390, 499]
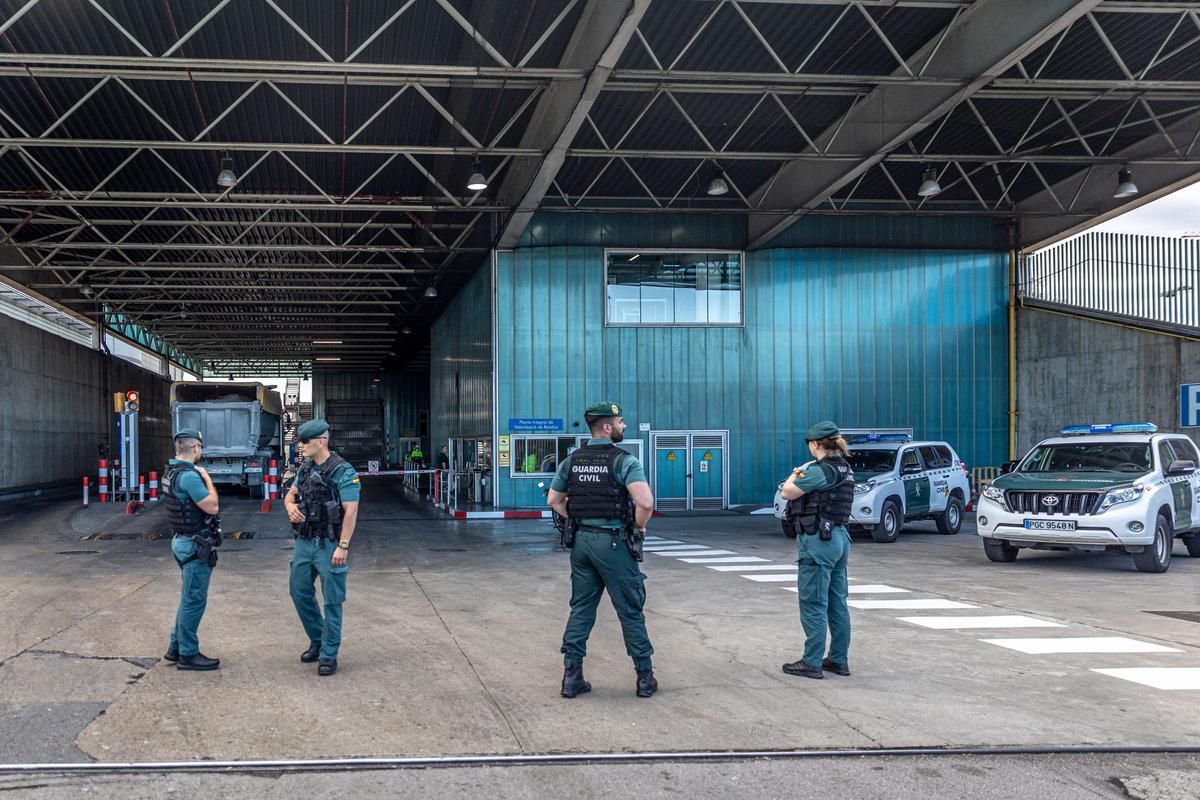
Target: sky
[1174, 215]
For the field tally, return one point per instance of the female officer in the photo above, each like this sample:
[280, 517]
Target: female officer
[824, 491]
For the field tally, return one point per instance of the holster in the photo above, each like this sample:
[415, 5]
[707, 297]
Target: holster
[206, 550]
[634, 540]
[567, 530]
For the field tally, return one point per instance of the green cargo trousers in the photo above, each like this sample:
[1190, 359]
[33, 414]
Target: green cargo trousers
[822, 585]
[310, 558]
[193, 597]
[601, 561]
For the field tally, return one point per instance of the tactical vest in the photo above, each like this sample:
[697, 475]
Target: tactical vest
[185, 516]
[835, 503]
[592, 488]
[315, 485]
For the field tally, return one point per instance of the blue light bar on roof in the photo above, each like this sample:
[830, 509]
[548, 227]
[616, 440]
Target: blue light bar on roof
[1109, 427]
[866, 438]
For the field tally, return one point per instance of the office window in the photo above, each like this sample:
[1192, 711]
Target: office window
[649, 288]
[539, 456]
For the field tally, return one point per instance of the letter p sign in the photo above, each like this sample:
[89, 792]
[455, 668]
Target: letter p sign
[1189, 405]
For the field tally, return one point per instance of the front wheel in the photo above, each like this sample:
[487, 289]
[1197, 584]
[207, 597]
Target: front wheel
[950, 522]
[889, 525]
[999, 551]
[1156, 557]
[789, 528]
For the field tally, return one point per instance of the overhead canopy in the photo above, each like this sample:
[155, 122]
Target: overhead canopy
[351, 130]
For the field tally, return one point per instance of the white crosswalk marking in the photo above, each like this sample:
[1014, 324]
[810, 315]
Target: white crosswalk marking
[672, 548]
[697, 553]
[754, 568]
[1081, 644]
[724, 560]
[876, 588]
[892, 604]
[1174, 679]
[771, 578]
[1005, 621]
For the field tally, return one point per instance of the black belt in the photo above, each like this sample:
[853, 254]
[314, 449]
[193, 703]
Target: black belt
[598, 529]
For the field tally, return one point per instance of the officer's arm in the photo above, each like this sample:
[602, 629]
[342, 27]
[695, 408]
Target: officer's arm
[557, 501]
[209, 504]
[349, 519]
[789, 490]
[810, 480]
[643, 501]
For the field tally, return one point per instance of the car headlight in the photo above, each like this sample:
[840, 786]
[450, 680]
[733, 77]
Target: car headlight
[1117, 496]
[996, 495]
[863, 487]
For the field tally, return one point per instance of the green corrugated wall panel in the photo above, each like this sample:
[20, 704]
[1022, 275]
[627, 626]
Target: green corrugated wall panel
[461, 345]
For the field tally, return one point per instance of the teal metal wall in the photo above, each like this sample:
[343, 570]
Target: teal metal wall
[863, 336]
[461, 363]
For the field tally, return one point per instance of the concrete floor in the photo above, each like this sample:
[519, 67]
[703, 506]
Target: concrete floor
[453, 628]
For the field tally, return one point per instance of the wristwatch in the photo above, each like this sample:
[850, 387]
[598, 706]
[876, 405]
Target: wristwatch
[344, 545]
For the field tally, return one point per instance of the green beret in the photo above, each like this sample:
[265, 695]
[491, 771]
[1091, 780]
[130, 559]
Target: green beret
[313, 428]
[605, 408]
[188, 433]
[822, 430]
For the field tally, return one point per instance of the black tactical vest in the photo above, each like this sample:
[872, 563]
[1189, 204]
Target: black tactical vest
[592, 488]
[314, 482]
[835, 503]
[185, 516]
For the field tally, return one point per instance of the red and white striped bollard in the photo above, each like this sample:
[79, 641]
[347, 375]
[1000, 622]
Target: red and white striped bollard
[103, 481]
[85, 491]
[153, 487]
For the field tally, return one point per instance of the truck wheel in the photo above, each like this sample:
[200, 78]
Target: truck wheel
[1156, 557]
[950, 522]
[999, 551]
[889, 525]
[789, 530]
[256, 491]
[1192, 542]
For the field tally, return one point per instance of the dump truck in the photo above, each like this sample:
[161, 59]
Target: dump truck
[242, 425]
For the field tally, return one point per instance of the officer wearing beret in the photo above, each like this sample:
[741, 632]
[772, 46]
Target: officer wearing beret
[603, 489]
[823, 490]
[323, 508]
[191, 500]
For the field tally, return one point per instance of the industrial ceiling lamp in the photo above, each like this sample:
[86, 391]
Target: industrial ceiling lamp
[431, 291]
[718, 185]
[406, 330]
[226, 178]
[929, 183]
[477, 182]
[86, 289]
[1125, 185]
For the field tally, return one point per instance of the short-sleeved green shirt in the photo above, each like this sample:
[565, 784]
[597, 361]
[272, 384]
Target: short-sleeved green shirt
[345, 482]
[188, 484]
[818, 476]
[628, 471]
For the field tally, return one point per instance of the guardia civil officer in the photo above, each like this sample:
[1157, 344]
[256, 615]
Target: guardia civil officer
[824, 490]
[323, 507]
[603, 490]
[191, 501]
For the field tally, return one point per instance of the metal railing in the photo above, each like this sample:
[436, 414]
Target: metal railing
[1151, 282]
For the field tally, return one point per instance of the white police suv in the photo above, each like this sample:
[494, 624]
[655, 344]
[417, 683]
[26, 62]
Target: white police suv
[899, 480]
[1120, 488]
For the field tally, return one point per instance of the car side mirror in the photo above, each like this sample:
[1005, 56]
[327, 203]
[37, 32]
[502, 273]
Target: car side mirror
[1181, 468]
[1007, 467]
[910, 469]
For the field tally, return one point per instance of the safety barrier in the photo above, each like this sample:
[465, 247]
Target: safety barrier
[153, 487]
[266, 492]
[102, 481]
[85, 491]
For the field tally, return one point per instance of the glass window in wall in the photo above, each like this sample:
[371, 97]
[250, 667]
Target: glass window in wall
[664, 288]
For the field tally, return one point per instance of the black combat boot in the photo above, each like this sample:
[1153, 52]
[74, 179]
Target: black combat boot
[197, 662]
[573, 682]
[647, 684]
[327, 666]
[171, 655]
[311, 654]
[803, 669]
[836, 668]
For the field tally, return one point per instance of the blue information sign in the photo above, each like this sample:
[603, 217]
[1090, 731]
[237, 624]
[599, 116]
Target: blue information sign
[1189, 405]
[535, 425]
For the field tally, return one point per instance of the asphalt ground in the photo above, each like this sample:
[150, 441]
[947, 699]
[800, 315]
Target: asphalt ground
[451, 648]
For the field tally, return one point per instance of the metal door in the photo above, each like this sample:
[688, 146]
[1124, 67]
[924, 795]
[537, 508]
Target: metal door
[689, 471]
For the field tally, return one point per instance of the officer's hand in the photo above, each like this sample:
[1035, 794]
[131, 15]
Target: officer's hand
[294, 514]
[339, 556]
[202, 472]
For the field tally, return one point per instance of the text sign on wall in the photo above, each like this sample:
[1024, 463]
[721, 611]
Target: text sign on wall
[535, 425]
[1189, 405]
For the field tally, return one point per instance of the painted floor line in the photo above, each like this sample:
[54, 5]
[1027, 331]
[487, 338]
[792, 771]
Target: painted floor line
[771, 578]
[1001, 621]
[697, 553]
[724, 560]
[754, 567]
[901, 604]
[1173, 679]
[876, 588]
[676, 549]
[1081, 644]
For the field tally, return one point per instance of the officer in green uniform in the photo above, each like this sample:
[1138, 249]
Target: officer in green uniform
[823, 490]
[191, 499]
[603, 490]
[323, 508]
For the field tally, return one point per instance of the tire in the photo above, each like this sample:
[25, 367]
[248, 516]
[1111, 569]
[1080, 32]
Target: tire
[950, 522]
[890, 523]
[999, 551]
[789, 530]
[255, 490]
[1156, 557]
[1192, 542]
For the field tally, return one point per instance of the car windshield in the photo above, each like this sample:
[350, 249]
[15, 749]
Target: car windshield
[1132, 457]
[872, 461]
